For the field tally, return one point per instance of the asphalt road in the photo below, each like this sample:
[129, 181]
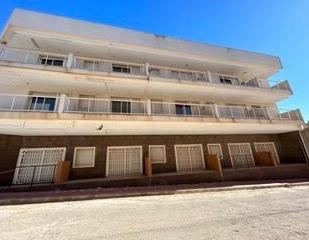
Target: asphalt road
[281, 213]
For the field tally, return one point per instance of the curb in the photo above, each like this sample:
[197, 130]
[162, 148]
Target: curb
[92, 196]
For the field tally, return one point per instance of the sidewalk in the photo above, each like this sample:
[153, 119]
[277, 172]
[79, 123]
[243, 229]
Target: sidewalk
[11, 198]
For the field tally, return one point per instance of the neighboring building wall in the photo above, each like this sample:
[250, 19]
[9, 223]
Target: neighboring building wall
[292, 149]
[288, 147]
[9, 149]
[305, 135]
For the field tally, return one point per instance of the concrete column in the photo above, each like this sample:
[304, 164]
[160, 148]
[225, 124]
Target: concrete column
[147, 69]
[61, 104]
[216, 111]
[148, 107]
[209, 76]
[70, 60]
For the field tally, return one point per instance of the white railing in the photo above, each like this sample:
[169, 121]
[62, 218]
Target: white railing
[105, 106]
[44, 103]
[182, 109]
[104, 65]
[177, 73]
[32, 57]
[109, 66]
[28, 103]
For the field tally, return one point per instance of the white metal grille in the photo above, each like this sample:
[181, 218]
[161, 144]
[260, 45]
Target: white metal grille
[37, 165]
[124, 161]
[267, 147]
[241, 155]
[189, 157]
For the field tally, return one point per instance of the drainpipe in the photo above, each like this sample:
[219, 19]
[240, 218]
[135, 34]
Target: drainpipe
[304, 146]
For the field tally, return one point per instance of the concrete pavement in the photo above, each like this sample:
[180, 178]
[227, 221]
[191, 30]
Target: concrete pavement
[273, 213]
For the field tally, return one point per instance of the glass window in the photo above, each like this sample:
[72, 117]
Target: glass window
[121, 107]
[53, 61]
[121, 68]
[84, 157]
[183, 109]
[43, 103]
[157, 153]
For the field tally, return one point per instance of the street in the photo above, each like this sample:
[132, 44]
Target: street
[278, 213]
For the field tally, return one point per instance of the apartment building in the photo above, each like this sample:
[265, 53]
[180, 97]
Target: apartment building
[105, 99]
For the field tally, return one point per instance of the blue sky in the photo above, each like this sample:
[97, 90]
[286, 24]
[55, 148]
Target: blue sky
[278, 27]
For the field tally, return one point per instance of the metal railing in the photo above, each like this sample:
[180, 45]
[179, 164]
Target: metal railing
[105, 106]
[39, 103]
[28, 103]
[119, 67]
[32, 57]
[43, 103]
[177, 73]
[182, 109]
[34, 174]
[108, 66]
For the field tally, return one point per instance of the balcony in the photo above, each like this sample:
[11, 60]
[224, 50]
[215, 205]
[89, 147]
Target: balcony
[61, 62]
[64, 104]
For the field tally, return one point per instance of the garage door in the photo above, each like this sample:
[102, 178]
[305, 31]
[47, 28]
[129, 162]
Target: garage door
[124, 161]
[189, 157]
[37, 165]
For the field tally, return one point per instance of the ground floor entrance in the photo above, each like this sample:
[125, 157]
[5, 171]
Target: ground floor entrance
[33, 159]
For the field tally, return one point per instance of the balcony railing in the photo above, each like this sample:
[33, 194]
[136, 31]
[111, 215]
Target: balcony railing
[103, 65]
[28, 103]
[36, 103]
[105, 106]
[117, 67]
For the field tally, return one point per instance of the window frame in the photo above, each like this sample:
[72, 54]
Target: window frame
[87, 166]
[231, 155]
[150, 146]
[53, 59]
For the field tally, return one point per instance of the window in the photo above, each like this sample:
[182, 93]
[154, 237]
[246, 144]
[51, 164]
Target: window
[241, 155]
[119, 106]
[157, 153]
[124, 161]
[189, 157]
[53, 61]
[84, 157]
[121, 68]
[228, 80]
[42, 103]
[183, 109]
[37, 165]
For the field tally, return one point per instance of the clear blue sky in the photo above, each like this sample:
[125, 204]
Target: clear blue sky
[279, 27]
